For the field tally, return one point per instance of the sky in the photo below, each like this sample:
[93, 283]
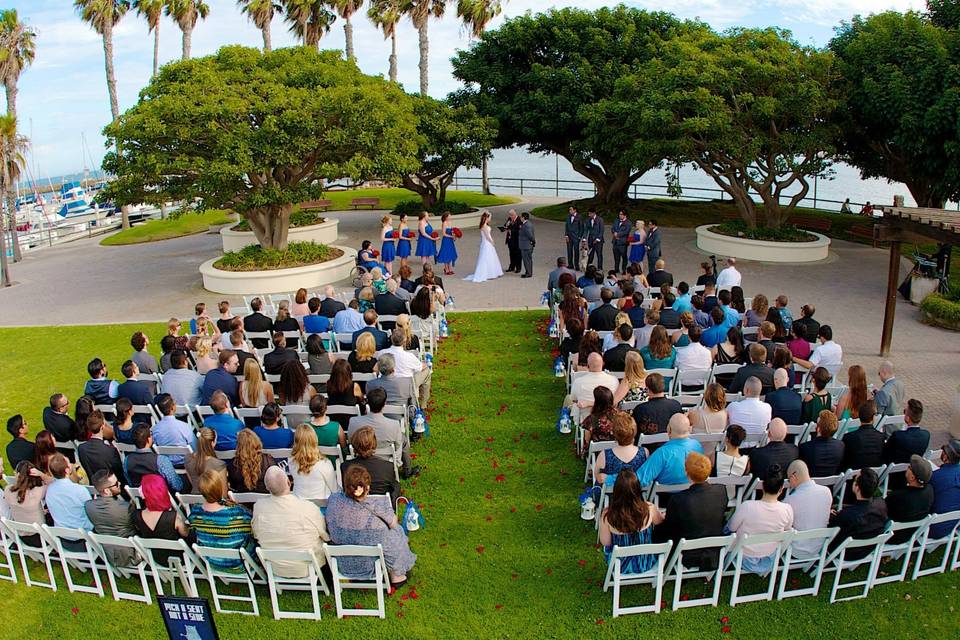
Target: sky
[63, 96]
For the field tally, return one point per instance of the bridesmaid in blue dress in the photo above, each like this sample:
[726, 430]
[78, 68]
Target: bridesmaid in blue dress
[629, 520]
[637, 248]
[448, 248]
[426, 243]
[403, 243]
[388, 253]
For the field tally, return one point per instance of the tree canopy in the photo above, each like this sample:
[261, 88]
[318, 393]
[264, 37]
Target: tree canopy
[259, 132]
[944, 13]
[540, 75]
[901, 120]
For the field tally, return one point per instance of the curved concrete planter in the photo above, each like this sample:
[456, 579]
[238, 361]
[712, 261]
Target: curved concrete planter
[762, 250]
[323, 233]
[278, 280]
[463, 221]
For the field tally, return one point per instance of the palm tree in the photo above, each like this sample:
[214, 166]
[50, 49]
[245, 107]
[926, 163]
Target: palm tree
[385, 14]
[309, 20]
[17, 52]
[476, 15]
[187, 13]
[152, 10]
[12, 147]
[261, 14]
[345, 9]
[420, 12]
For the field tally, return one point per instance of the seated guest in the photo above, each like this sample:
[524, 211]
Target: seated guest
[581, 392]
[237, 343]
[666, 464]
[810, 326]
[66, 500]
[314, 477]
[811, 504]
[407, 364]
[289, 522]
[224, 425]
[342, 390]
[756, 369]
[254, 391]
[571, 343]
[696, 512]
[669, 317]
[24, 497]
[158, 520]
[389, 432]
[776, 451]
[889, 397]
[286, 323]
[818, 399]
[329, 433]
[701, 317]
[362, 358]
[99, 387]
[946, 487]
[173, 331]
[167, 347]
[226, 336]
[271, 433]
[865, 518]
[205, 358]
[854, 395]
[123, 423]
[354, 519]
[604, 317]
[694, 359]
[399, 389]
[731, 317]
[134, 390]
[598, 424]
[733, 350]
[913, 439]
[112, 515]
[588, 278]
[589, 344]
[828, 353]
[314, 322]
[765, 338]
[318, 359]
[144, 361]
[273, 362]
[226, 318]
[785, 403]
[182, 383]
[707, 277]
[863, 447]
[798, 344]
[717, 332]
[625, 455]
[767, 515]
[632, 387]
[389, 303]
[730, 462]
[245, 471]
[294, 387]
[221, 523]
[300, 308]
[658, 410]
[824, 453]
[660, 275]
[20, 449]
[204, 458]
[593, 291]
[44, 448]
[615, 358]
[660, 352]
[757, 312]
[381, 339]
[913, 502]
[684, 302]
[330, 306]
[628, 521]
[612, 339]
[95, 454]
[57, 421]
[711, 416]
[382, 472]
[751, 413]
[170, 432]
[145, 461]
[651, 319]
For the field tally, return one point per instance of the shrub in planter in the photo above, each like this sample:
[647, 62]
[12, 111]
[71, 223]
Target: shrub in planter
[413, 208]
[942, 311]
[257, 258]
[297, 219]
[786, 233]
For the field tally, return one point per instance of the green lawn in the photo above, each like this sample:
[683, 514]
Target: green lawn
[185, 225]
[503, 554]
[390, 196]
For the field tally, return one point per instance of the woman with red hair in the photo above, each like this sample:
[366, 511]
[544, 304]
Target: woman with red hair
[157, 519]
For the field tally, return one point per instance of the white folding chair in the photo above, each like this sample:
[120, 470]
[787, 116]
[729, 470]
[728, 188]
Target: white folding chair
[20, 531]
[692, 381]
[593, 453]
[606, 490]
[722, 369]
[656, 489]
[653, 576]
[669, 379]
[155, 378]
[247, 497]
[277, 583]
[852, 474]
[654, 438]
[83, 561]
[343, 409]
[688, 401]
[318, 378]
[146, 410]
[890, 424]
[296, 414]
[101, 546]
[379, 582]
[276, 298]
[735, 562]
[736, 486]
[259, 335]
[895, 468]
[678, 571]
[799, 432]
[181, 563]
[249, 574]
[136, 495]
[900, 551]
[812, 561]
[838, 563]
[247, 412]
[106, 409]
[7, 541]
[927, 545]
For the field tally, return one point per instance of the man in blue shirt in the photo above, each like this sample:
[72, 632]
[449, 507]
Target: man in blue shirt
[225, 425]
[315, 323]
[667, 464]
[348, 321]
[731, 316]
[66, 499]
[946, 487]
[683, 303]
[222, 378]
[180, 382]
[170, 432]
[716, 333]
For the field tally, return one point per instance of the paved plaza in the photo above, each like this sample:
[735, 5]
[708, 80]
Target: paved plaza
[84, 283]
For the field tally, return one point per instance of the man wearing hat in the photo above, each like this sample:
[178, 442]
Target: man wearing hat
[946, 487]
[914, 501]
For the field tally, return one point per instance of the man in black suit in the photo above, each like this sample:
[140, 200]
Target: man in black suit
[381, 338]
[615, 358]
[784, 401]
[710, 299]
[824, 453]
[273, 362]
[57, 421]
[863, 447]
[512, 228]
[595, 238]
[652, 244]
[330, 306]
[20, 448]
[620, 232]
[669, 318]
[659, 276]
[697, 512]
[132, 389]
[776, 451]
[912, 440]
[389, 304]
[257, 322]
[573, 230]
[604, 317]
[658, 409]
[95, 454]
[810, 326]
[756, 369]
[865, 518]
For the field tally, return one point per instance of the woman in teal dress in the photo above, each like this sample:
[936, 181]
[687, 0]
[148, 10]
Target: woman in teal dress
[660, 353]
[628, 521]
[426, 243]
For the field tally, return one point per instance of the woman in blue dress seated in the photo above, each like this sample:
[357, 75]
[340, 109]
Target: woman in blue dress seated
[426, 243]
[355, 517]
[629, 520]
[447, 256]
[626, 455]
[368, 258]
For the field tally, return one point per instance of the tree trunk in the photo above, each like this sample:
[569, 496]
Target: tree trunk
[422, 187]
[612, 188]
[393, 56]
[348, 36]
[187, 41]
[4, 267]
[444, 183]
[267, 43]
[485, 179]
[424, 59]
[922, 191]
[114, 103]
[156, 48]
[163, 210]
[10, 196]
[270, 225]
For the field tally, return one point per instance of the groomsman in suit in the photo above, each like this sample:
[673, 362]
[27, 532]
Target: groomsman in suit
[653, 246]
[512, 228]
[573, 232]
[595, 238]
[527, 242]
[619, 235]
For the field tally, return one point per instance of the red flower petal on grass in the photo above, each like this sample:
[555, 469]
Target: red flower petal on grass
[480, 548]
[599, 620]
[549, 571]
[726, 629]
[443, 544]
[522, 460]
[356, 605]
[413, 456]
[404, 597]
[461, 479]
[507, 454]
[432, 451]
[498, 606]
[488, 496]
[535, 436]
[487, 449]
[500, 478]
[75, 611]
[414, 594]
[539, 507]
[495, 464]
[513, 509]
[327, 606]
[582, 563]
[514, 576]
[399, 614]
[489, 518]
[724, 620]
[684, 597]
[490, 439]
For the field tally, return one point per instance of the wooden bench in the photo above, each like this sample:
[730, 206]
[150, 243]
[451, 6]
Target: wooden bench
[373, 203]
[315, 205]
[863, 232]
[811, 224]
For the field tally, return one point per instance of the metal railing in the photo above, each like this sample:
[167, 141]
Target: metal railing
[101, 223]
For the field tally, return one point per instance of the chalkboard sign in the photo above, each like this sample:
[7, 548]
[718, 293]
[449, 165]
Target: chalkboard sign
[187, 618]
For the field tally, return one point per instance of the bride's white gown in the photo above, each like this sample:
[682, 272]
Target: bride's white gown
[488, 262]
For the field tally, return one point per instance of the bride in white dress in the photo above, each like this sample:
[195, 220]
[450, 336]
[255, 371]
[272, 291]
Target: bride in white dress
[488, 262]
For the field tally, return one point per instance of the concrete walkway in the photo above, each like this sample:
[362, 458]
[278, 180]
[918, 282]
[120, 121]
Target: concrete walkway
[83, 283]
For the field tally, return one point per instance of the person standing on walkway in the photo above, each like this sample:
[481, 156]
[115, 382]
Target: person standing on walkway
[619, 235]
[573, 232]
[426, 241]
[512, 229]
[652, 245]
[527, 241]
[595, 238]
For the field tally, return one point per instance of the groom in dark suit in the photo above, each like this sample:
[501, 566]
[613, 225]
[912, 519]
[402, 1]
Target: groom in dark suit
[595, 238]
[527, 241]
[512, 228]
[573, 232]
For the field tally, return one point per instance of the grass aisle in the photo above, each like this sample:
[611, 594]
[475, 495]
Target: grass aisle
[503, 553]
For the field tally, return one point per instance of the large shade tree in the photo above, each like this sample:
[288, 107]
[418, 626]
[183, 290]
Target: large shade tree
[450, 138]
[538, 76]
[257, 133]
[751, 108]
[944, 13]
[900, 77]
